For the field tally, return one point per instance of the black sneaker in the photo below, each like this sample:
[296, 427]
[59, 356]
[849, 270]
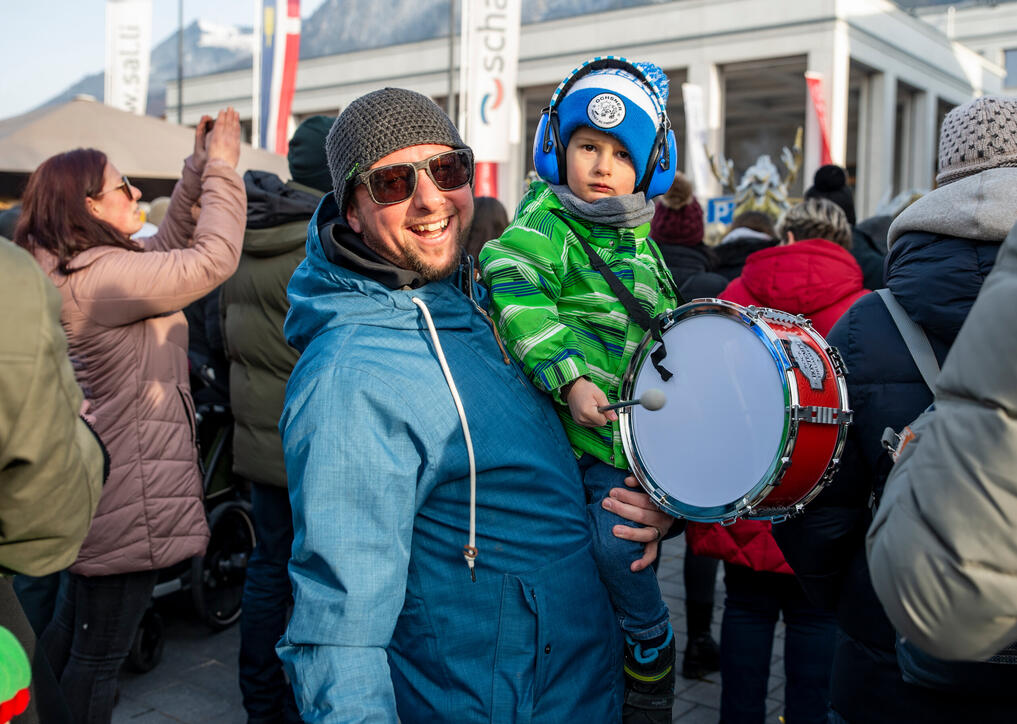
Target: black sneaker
[649, 682]
[702, 657]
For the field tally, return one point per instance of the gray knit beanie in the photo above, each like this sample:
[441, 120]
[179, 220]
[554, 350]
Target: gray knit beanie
[976, 136]
[380, 123]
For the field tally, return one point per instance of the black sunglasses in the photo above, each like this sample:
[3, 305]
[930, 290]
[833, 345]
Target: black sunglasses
[448, 170]
[125, 186]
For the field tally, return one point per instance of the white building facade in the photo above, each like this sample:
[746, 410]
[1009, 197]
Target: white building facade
[888, 78]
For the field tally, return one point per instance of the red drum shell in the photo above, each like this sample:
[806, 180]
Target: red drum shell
[815, 415]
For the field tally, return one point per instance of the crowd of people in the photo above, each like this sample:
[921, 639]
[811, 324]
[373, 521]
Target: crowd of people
[447, 525]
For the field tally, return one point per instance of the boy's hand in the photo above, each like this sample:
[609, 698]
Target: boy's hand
[584, 398]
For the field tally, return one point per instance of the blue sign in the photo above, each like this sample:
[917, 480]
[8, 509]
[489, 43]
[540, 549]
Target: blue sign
[720, 209]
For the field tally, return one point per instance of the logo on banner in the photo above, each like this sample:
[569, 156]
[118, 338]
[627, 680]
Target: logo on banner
[492, 34]
[128, 53]
[490, 59]
[499, 96]
[606, 110]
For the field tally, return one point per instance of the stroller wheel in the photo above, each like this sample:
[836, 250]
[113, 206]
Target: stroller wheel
[217, 578]
[149, 642]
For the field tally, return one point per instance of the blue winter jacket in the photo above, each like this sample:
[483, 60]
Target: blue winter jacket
[386, 620]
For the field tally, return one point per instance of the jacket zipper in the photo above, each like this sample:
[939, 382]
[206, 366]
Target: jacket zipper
[494, 329]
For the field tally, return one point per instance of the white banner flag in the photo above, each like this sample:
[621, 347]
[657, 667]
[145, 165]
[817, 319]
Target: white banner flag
[128, 54]
[491, 43]
[696, 138]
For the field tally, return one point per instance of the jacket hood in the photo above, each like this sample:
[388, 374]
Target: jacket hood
[807, 276]
[744, 233]
[936, 278]
[271, 204]
[872, 232]
[314, 286]
[981, 207]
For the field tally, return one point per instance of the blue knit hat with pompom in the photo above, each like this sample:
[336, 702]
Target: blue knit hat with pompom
[619, 103]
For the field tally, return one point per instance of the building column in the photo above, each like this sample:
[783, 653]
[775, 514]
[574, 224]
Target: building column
[924, 153]
[512, 172]
[832, 61]
[877, 116]
[707, 76]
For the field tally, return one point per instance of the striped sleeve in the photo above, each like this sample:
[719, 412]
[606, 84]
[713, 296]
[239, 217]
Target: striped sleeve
[523, 269]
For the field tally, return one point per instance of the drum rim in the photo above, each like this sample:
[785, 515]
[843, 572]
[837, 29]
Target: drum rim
[748, 316]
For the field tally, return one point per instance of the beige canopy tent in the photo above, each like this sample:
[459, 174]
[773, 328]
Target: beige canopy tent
[148, 150]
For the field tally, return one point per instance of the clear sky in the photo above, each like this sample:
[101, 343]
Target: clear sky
[50, 44]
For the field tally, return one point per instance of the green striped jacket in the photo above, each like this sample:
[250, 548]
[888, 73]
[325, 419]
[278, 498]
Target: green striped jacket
[557, 314]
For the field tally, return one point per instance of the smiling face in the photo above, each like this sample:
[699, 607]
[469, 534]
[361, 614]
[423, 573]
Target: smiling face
[424, 233]
[598, 165]
[112, 205]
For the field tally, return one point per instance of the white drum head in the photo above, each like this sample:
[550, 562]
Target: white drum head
[719, 437]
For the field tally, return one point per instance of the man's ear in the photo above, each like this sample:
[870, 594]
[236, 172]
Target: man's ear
[353, 217]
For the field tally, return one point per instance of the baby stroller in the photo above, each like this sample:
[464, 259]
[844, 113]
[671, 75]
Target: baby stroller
[214, 581]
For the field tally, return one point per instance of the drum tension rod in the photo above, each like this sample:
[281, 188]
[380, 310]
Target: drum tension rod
[821, 415]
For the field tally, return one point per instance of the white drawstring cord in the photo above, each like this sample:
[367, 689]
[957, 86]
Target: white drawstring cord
[469, 551]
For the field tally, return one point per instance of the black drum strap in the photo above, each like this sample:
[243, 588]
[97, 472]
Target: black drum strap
[627, 299]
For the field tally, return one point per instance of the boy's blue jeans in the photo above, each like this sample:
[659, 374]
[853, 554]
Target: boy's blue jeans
[636, 597]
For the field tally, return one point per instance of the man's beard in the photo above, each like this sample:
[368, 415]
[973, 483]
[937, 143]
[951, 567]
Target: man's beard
[411, 261]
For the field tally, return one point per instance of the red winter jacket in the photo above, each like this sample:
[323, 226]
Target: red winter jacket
[820, 280]
[813, 277]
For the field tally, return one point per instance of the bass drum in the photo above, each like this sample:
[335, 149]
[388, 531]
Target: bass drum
[756, 414]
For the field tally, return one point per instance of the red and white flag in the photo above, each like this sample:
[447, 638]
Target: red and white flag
[277, 53]
[815, 83]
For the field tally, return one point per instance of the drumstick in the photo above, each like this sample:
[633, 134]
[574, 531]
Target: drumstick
[652, 399]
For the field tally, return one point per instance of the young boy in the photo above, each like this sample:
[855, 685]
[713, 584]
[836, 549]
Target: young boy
[572, 334]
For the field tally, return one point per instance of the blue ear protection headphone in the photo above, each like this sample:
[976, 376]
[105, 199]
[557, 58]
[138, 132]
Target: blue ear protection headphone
[549, 151]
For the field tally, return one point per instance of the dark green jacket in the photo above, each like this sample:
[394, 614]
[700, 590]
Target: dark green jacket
[51, 464]
[254, 307]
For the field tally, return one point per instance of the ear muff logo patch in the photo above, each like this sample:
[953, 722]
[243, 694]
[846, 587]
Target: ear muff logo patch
[606, 110]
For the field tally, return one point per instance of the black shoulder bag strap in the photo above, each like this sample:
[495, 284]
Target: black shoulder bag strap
[627, 299]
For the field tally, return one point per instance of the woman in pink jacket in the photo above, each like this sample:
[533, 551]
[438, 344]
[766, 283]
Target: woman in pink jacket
[128, 344]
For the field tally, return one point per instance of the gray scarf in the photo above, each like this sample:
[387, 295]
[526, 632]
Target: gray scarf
[622, 212]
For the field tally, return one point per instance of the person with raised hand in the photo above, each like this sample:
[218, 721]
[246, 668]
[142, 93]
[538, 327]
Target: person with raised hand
[121, 302]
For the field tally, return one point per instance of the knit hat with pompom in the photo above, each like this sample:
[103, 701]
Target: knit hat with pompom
[830, 182]
[678, 218]
[618, 103]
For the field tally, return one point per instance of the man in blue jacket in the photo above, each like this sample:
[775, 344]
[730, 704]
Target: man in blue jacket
[441, 562]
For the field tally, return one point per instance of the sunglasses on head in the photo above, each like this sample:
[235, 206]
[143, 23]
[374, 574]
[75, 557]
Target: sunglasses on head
[396, 182]
[125, 186]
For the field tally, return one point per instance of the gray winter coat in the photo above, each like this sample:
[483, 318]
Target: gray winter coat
[943, 545]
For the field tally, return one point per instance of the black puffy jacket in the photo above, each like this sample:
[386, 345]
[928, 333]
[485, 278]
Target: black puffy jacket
[936, 279]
